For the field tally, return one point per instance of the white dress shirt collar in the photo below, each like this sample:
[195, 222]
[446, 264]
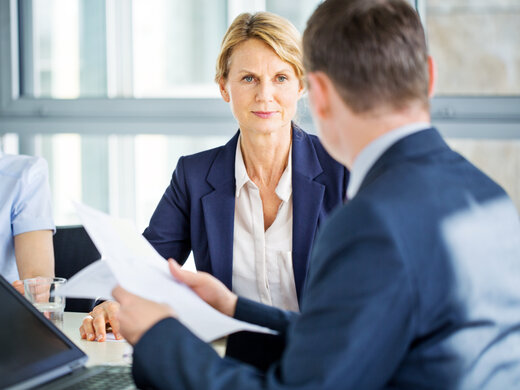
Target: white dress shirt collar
[371, 153]
[284, 187]
[241, 177]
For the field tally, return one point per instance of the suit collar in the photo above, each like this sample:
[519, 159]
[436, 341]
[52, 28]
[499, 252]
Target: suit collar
[241, 176]
[305, 159]
[375, 149]
[222, 169]
[412, 146]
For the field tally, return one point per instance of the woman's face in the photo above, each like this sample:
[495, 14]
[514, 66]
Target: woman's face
[262, 88]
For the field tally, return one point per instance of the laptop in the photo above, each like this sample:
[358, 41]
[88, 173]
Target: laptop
[35, 353]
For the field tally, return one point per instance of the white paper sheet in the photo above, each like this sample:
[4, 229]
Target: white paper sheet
[129, 260]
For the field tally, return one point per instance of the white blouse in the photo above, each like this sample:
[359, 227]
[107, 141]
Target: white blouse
[262, 261]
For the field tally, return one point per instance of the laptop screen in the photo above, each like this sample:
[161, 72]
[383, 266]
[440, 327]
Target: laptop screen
[31, 346]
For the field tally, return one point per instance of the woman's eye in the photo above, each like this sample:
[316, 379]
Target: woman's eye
[281, 79]
[248, 79]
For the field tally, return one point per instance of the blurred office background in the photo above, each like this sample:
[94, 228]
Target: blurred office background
[112, 92]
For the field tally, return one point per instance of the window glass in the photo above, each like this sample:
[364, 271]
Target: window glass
[475, 46]
[63, 55]
[297, 15]
[109, 48]
[123, 175]
[176, 43]
[499, 159]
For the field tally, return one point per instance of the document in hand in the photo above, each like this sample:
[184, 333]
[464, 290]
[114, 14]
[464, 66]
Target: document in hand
[129, 260]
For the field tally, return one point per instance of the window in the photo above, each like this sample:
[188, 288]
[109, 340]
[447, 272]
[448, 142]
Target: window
[134, 48]
[475, 46]
[477, 54]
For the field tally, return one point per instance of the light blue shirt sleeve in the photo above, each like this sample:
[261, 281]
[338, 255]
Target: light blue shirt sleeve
[31, 209]
[25, 205]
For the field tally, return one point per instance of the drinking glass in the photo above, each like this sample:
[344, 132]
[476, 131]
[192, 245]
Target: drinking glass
[40, 291]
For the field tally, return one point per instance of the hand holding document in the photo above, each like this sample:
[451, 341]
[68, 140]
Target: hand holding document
[129, 260]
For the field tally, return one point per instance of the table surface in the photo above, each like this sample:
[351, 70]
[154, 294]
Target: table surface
[108, 352]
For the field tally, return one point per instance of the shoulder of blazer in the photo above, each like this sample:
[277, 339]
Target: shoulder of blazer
[215, 166]
[422, 144]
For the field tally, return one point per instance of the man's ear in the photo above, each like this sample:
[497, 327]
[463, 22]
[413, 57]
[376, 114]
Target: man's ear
[319, 94]
[223, 90]
[432, 73]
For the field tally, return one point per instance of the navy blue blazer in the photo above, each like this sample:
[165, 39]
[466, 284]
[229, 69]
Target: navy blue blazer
[412, 285]
[197, 210]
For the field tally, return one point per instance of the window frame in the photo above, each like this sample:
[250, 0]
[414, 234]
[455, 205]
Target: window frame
[494, 117]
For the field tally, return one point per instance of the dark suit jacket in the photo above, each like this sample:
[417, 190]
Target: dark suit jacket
[412, 285]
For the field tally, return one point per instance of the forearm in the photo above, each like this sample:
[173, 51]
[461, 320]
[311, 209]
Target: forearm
[34, 254]
[260, 314]
[170, 356]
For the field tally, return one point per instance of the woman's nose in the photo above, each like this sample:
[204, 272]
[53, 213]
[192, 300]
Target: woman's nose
[264, 92]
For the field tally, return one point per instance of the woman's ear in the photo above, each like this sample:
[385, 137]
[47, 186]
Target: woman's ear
[301, 91]
[223, 90]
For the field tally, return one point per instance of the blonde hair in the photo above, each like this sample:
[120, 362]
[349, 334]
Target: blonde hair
[275, 31]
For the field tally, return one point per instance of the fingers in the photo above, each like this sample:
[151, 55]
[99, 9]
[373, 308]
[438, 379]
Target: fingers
[113, 320]
[174, 269]
[94, 325]
[99, 324]
[86, 329]
[82, 332]
[39, 292]
[18, 285]
[187, 277]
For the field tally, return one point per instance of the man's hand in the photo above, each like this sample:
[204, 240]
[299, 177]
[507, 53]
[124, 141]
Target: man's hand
[208, 288]
[136, 315]
[94, 326]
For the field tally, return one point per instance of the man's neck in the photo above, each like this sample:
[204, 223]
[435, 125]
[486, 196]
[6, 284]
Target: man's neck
[369, 127]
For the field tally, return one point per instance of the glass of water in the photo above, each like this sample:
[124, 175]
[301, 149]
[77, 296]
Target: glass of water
[40, 292]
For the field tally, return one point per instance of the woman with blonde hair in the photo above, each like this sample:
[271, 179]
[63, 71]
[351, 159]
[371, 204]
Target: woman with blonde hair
[249, 210]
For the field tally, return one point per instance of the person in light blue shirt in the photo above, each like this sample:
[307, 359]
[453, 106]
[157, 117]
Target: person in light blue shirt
[26, 223]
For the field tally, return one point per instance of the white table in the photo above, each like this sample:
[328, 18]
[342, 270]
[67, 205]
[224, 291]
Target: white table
[108, 352]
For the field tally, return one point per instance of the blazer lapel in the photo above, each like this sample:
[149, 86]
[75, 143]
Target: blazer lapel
[219, 211]
[307, 203]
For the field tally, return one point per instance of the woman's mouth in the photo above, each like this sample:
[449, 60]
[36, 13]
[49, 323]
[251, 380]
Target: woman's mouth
[264, 114]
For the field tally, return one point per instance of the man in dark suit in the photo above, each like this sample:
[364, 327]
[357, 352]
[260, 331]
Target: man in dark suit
[413, 283]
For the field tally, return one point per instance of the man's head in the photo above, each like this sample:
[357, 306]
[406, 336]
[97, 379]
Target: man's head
[372, 51]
